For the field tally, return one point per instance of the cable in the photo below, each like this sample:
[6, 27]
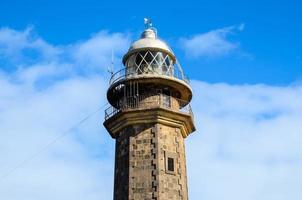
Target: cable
[45, 147]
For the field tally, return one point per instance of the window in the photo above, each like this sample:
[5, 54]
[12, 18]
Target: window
[171, 164]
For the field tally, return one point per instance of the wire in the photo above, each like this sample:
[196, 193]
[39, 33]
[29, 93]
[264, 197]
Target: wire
[48, 145]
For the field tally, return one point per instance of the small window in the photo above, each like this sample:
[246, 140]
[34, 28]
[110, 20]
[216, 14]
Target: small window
[171, 164]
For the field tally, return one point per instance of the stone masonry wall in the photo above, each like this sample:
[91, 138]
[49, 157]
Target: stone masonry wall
[142, 153]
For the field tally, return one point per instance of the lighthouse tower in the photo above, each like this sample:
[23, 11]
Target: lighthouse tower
[149, 118]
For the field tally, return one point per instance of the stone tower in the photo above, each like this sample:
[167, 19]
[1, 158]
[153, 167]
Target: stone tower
[149, 118]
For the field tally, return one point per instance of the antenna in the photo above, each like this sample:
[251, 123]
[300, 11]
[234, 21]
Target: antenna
[111, 66]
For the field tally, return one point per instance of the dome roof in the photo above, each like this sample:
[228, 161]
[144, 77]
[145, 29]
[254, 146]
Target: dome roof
[149, 41]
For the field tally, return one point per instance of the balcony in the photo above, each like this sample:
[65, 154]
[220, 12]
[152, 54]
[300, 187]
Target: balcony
[143, 102]
[149, 69]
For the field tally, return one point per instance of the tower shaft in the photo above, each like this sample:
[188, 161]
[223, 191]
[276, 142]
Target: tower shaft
[150, 163]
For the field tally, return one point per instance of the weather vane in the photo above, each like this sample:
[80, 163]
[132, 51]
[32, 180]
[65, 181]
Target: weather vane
[148, 23]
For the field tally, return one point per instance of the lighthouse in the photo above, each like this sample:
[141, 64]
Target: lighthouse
[149, 117]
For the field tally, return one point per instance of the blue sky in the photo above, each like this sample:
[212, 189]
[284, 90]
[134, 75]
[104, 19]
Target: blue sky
[244, 60]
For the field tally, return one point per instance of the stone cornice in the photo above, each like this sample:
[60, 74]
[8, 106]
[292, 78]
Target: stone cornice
[161, 115]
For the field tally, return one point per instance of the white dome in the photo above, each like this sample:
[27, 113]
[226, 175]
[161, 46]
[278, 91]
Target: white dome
[148, 41]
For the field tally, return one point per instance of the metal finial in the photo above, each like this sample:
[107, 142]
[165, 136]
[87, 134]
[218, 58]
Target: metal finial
[148, 23]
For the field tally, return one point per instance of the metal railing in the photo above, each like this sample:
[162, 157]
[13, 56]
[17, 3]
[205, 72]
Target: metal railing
[129, 72]
[148, 102]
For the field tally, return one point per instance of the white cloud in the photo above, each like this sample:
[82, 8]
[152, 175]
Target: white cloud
[21, 47]
[211, 44]
[248, 143]
[97, 50]
[31, 118]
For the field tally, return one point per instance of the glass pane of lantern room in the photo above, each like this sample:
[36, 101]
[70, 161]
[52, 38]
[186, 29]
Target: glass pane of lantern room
[158, 62]
[130, 66]
[142, 61]
[165, 65]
